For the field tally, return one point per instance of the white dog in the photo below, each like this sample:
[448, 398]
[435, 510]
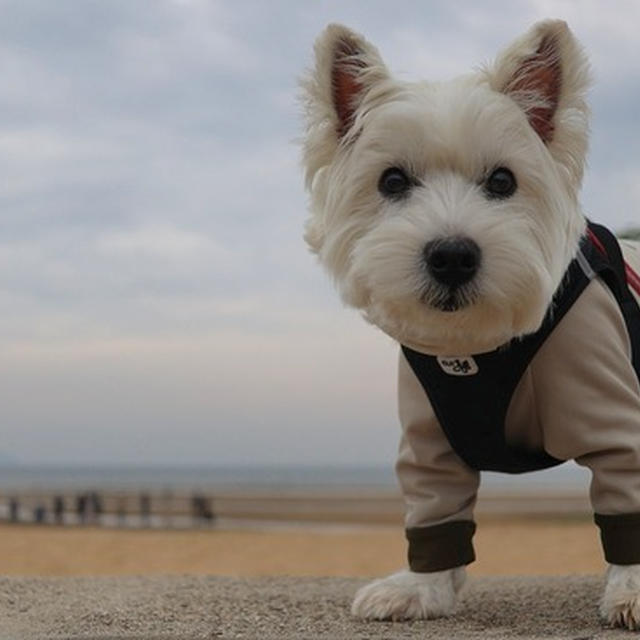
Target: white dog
[448, 214]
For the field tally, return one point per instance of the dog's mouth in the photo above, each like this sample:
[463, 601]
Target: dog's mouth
[452, 303]
[450, 299]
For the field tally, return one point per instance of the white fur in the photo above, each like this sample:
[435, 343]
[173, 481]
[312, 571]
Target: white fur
[408, 595]
[449, 136]
[620, 605]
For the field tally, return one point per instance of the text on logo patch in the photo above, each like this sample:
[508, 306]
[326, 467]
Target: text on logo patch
[458, 366]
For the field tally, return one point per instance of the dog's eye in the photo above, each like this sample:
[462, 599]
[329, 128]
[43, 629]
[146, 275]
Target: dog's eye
[501, 183]
[394, 183]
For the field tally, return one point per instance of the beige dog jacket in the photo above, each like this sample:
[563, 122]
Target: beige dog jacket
[579, 399]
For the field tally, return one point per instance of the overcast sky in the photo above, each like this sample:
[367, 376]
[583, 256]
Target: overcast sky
[157, 303]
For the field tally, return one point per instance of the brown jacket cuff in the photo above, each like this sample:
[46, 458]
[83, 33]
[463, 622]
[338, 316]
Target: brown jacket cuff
[443, 546]
[620, 536]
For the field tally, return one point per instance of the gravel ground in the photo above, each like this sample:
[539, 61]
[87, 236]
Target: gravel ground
[214, 607]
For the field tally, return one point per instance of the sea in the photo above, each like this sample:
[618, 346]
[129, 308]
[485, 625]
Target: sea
[564, 478]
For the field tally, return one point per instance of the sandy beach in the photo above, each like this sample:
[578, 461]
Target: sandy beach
[287, 580]
[536, 545]
[207, 607]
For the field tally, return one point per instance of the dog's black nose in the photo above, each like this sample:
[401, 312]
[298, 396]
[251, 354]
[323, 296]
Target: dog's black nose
[452, 261]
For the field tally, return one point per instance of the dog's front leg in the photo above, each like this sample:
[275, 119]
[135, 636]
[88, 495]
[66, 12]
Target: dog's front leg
[439, 492]
[410, 595]
[620, 605]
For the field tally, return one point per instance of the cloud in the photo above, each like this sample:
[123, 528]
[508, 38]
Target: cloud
[154, 287]
[161, 243]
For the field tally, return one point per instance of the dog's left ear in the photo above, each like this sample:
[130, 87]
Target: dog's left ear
[546, 73]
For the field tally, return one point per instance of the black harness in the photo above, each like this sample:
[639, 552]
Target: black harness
[471, 405]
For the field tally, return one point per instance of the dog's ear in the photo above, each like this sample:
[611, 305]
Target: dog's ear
[346, 68]
[547, 74]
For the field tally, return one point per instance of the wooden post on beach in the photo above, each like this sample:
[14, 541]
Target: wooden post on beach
[39, 514]
[14, 510]
[58, 509]
[81, 508]
[208, 512]
[121, 510]
[167, 506]
[96, 506]
[201, 510]
[145, 509]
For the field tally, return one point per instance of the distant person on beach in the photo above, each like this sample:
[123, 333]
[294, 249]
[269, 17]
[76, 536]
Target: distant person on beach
[167, 507]
[40, 514]
[14, 510]
[96, 506]
[58, 509]
[81, 508]
[201, 509]
[145, 508]
[121, 510]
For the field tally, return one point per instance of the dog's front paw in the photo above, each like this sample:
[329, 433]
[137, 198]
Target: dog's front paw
[407, 595]
[621, 601]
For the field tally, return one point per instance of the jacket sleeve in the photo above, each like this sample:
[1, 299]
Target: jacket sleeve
[589, 408]
[439, 489]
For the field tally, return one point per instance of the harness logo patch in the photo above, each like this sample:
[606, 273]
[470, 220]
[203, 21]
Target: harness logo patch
[458, 366]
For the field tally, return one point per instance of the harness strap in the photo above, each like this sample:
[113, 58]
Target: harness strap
[472, 407]
[633, 279]
[617, 279]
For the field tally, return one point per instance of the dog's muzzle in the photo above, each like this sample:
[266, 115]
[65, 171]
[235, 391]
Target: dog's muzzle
[452, 263]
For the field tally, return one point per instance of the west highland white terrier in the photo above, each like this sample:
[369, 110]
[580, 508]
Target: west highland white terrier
[448, 214]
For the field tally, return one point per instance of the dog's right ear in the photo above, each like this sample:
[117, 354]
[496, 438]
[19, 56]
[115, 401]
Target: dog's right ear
[346, 68]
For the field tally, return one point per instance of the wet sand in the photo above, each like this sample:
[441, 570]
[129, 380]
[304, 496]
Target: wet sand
[520, 545]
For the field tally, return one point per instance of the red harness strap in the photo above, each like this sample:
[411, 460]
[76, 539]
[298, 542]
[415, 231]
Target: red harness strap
[633, 279]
